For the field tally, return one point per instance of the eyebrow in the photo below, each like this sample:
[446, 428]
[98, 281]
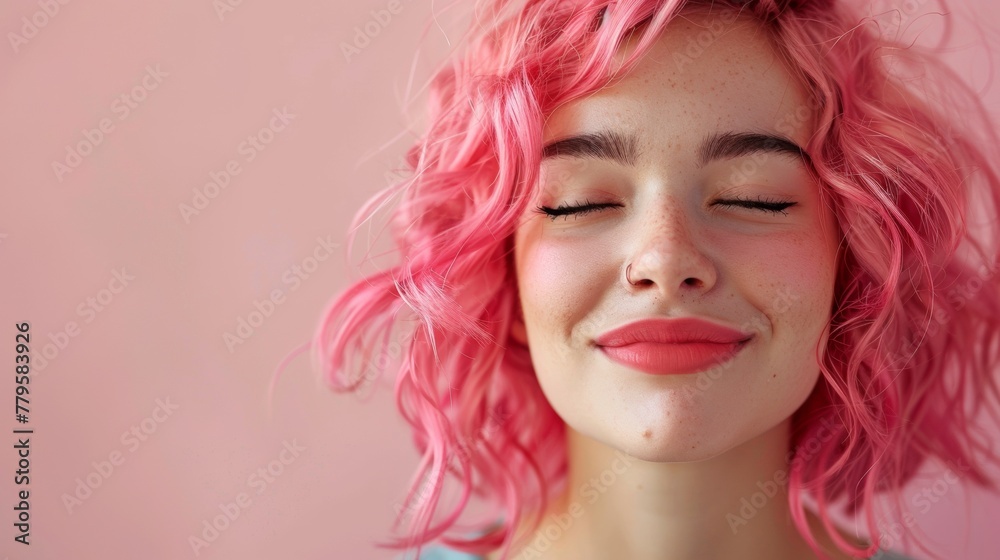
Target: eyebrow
[623, 148]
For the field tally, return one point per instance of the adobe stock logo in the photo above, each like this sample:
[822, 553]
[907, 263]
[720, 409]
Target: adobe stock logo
[31, 26]
[88, 309]
[132, 439]
[213, 527]
[249, 148]
[225, 7]
[364, 34]
[122, 106]
[294, 277]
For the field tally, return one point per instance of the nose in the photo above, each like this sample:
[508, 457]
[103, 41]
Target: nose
[669, 257]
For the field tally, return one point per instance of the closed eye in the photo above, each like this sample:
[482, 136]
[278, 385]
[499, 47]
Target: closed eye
[574, 209]
[774, 206]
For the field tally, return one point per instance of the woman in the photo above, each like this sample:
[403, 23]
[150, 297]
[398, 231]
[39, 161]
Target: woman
[681, 279]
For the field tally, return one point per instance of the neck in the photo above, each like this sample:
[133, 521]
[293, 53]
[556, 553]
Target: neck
[734, 505]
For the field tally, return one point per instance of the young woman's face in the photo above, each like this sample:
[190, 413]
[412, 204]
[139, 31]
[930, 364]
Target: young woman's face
[673, 213]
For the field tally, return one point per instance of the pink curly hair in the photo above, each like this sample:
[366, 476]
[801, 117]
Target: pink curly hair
[910, 360]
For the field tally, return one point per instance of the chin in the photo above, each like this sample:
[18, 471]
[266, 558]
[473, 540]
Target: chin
[661, 442]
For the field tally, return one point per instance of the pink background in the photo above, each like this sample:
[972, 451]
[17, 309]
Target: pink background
[64, 236]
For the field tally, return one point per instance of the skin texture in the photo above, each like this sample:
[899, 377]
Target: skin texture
[660, 464]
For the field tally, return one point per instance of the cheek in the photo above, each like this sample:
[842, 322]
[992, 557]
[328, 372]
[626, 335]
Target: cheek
[789, 280]
[549, 282]
[810, 274]
[560, 282]
[543, 271]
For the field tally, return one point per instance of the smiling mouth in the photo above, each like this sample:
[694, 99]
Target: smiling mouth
[673, 358]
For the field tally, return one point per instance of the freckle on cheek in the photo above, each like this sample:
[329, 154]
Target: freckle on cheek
[796, 259]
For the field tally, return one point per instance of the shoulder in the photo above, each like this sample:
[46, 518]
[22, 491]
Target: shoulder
[437, 552]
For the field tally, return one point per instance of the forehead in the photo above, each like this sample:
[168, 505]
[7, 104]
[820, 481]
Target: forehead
[704, 73]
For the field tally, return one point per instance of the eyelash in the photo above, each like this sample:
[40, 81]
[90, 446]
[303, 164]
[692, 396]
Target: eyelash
[760, 203]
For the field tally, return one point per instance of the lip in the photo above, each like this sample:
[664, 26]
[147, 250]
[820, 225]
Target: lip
[671, 346]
